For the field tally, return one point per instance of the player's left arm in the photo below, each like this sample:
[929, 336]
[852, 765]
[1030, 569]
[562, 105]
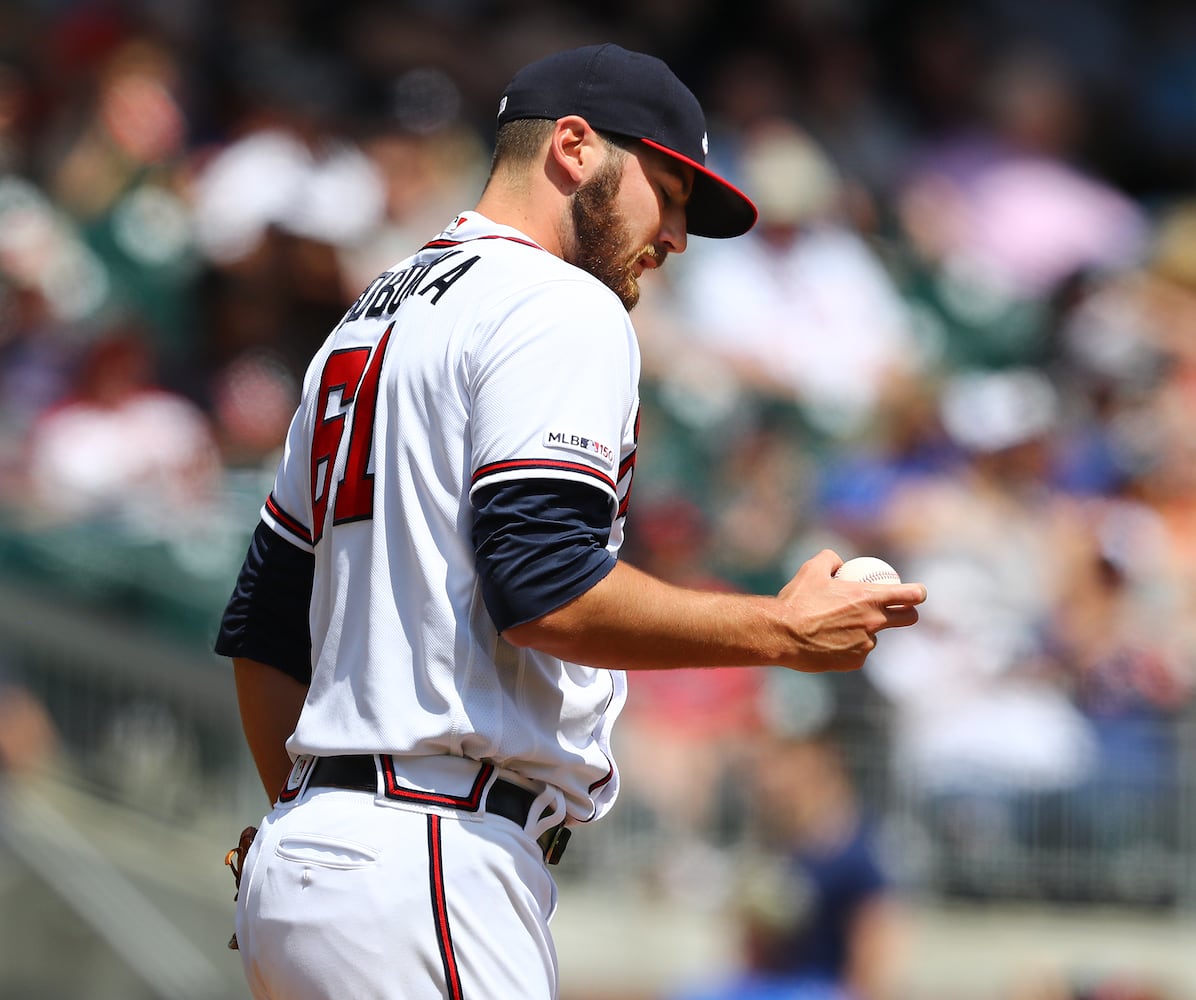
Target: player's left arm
[266, 633]
[270, 702]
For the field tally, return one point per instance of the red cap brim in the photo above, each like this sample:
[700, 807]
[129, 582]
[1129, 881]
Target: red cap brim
[716, 208]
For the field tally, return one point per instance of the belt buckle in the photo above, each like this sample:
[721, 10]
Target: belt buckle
[554, 841]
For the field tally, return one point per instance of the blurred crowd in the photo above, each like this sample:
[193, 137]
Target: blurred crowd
[962, 338]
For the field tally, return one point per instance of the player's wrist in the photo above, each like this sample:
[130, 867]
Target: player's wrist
[770, 638]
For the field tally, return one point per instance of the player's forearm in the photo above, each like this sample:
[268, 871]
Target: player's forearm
[270, 702]
[632, 621]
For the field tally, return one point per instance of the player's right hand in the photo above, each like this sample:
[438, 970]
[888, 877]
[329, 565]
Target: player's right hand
[835, 622]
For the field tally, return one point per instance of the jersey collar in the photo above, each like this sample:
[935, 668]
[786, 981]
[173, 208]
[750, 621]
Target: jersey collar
[474, 226]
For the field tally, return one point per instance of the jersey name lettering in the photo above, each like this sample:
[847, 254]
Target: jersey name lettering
[388, 291]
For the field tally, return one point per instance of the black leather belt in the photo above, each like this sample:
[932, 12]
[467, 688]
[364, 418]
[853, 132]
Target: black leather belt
[359, 772]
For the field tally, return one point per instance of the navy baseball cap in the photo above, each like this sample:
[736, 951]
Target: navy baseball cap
[636, 96]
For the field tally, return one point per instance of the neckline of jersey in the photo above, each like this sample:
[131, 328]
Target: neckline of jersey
[477, 221]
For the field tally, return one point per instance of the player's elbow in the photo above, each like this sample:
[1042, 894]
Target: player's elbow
[556, 633]
[522, 636]
[529, 635]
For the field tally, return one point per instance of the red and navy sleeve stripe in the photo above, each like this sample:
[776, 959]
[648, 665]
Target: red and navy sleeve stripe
[287, 521]
[543, 465]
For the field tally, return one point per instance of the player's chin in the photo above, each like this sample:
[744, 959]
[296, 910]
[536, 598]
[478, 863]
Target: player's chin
[628, 290]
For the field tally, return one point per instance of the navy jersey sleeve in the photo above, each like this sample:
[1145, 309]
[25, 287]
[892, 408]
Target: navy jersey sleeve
[539, 544]
[266, 617]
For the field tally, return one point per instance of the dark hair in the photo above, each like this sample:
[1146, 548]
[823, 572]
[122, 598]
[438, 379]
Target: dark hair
[518, 142]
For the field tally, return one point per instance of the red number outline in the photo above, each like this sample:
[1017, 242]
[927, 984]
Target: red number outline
[355, 373]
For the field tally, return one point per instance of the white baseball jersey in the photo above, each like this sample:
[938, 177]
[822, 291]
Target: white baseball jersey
[481, 358]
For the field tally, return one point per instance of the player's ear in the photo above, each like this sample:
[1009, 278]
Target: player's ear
[575, 149]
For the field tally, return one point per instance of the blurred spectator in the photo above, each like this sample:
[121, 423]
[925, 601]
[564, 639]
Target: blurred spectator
[984, 732]
[1130, 676]
[819, 915]
[1129, 347]
[999, 213]
[37, 355]
[43, 254]
[839, 98]
[14, 107]
[275, 205]
[27, 736]
[116, 165]
[253, 398]
[1125, 636]
[120, 446]
[801, 308]
[761, 494]
[293, 166]
[429, 162]
[857, 483]
[135, 126]
[683, 732]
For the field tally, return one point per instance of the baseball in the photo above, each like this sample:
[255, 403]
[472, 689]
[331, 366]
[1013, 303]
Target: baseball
[868, 569]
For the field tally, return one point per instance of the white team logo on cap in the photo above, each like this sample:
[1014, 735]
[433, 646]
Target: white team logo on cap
[502, 105]
[705, 143]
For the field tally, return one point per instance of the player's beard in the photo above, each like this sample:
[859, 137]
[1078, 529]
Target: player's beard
[601, 236]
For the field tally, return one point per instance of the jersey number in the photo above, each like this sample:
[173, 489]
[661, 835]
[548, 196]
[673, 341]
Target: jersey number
[350, 377]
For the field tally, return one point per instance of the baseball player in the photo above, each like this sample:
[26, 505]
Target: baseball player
[430, 628]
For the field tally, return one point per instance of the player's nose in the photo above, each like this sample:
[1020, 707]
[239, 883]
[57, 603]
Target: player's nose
[673, 237]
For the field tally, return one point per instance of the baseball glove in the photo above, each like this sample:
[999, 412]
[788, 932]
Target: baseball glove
[235, 859]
